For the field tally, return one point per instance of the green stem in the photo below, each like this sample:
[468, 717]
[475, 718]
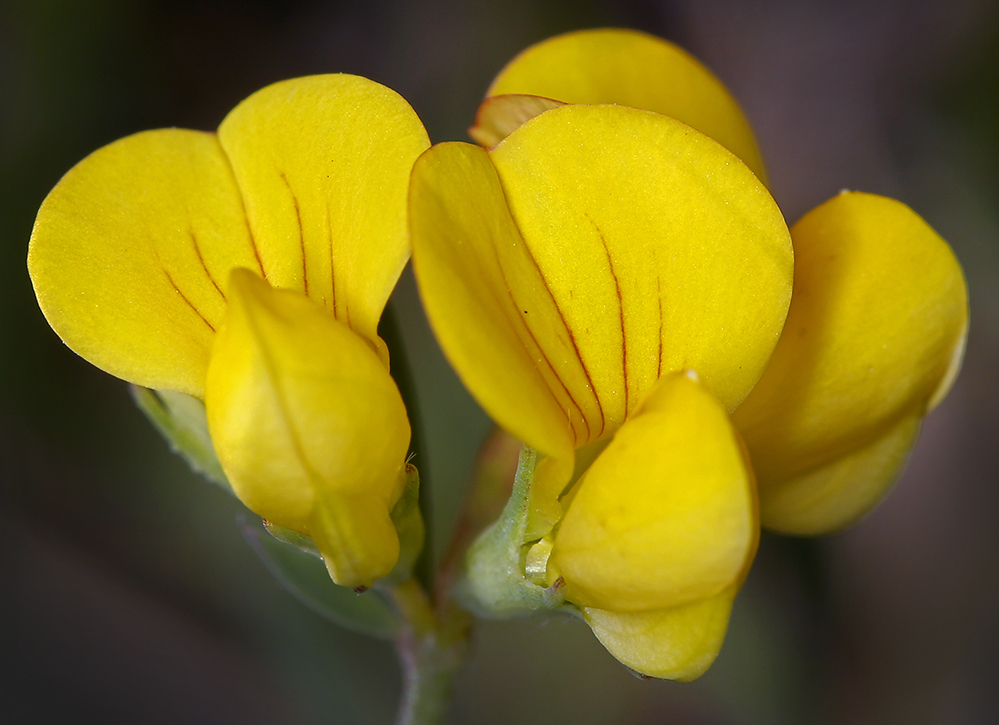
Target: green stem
[495, 468]
[430, 647]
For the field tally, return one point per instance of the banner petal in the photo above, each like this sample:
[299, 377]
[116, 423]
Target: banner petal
[628, 68]
[659, 249]
[486, 301]
[130, 253]
[323, 164]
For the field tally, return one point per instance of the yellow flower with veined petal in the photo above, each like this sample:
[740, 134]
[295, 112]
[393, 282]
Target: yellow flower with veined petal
[567, 272]
[574, 325]
[876, 330]
[149, 259]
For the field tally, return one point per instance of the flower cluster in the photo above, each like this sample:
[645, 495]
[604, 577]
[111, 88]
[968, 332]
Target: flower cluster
[598, 250]
[607, 272]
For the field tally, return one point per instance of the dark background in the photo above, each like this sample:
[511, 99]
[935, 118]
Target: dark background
[127, 594]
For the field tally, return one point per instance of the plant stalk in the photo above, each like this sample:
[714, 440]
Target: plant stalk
[430, 646]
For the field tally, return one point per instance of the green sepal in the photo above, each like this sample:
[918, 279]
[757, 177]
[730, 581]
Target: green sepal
[494, 582]
[409, 525]
[181, 420]
[293, 538]
[304, 575]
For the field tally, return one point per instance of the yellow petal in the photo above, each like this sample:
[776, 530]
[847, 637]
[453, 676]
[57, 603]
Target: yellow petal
[649, 249]
[873, 337]
[323, 163]
[634, 69]
[677, 643]
[499, 116]
[833, 496]
[666, 514]
[130, 253]
[479, 288]
[659, 250]
[309, 426]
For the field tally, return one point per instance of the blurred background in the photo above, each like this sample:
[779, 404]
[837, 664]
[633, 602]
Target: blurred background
[127, 592]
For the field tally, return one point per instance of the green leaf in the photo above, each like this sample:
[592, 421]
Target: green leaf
[181, 419]
[304, 575]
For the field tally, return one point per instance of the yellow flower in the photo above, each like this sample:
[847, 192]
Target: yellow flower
[876, 331]
[593, 249]
[149, 259]
[567, 272]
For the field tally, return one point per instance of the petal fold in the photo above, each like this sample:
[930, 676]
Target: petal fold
[130, 253]
[874, 336]
[499, 116]
[309, 426]
[629, 68]
[666, 515]
[323, 164]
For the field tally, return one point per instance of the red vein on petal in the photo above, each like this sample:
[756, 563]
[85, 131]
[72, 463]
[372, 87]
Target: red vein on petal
[548, 362]
[565, 324]
[197, 250]
[184, 297]
[572, 338]
[242, 205]
[659, 290]
[620, 307]
[256, 251]
[329, 234]
[544, 355]
[346, 314]
[301, 233]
